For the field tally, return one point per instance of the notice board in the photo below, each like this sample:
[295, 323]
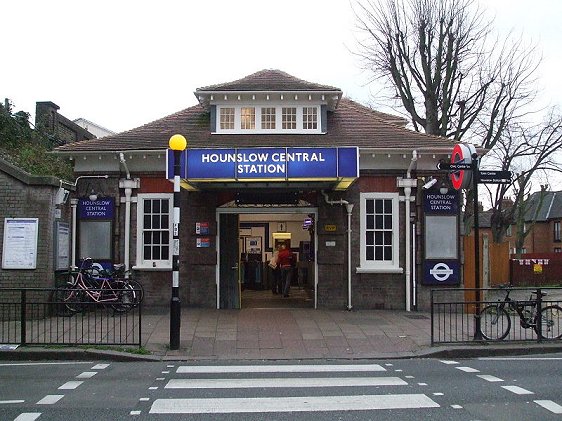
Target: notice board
[20, 243]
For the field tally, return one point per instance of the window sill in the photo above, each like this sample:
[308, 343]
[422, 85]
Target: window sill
[153, 269]
[379, 270]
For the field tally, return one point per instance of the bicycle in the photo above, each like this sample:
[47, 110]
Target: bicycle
[495, 321]
[118, 273]
[82, 288]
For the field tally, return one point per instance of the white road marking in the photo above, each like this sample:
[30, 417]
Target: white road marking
[468, 369]
[71, 385]
[13, 401]
[489, 378]
[50, 399]
[422, 384]
[100, 366]
[166, 372]
[518, 390]
[144, 399]
[450, 362]
[160, 378]
[153, 388]
[280, 382]
[438, 394]
[135, 412]
[291, 404]
[27, 416]
[278, 368]
[55, 363]
[550, 405]
[520, 358]
[170, 366]
[409, 377]
[86, 375]
[398, 370]
[456, 406]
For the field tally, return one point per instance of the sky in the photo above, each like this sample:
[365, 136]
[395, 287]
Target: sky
[122, 63]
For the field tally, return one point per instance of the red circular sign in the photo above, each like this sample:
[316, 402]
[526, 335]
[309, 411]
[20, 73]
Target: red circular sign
[462, 154]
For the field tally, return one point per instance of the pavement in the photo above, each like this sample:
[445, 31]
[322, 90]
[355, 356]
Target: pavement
[286, 333]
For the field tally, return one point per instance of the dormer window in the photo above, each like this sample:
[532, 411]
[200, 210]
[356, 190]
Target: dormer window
[266, 118]
[227, 118]
[289, 118]
[247, 118]
[309, 118]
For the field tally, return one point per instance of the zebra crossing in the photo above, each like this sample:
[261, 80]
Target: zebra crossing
[239, 389]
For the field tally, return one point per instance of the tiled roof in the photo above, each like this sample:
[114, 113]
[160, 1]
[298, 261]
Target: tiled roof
[351, 124]
[268, 80]
[551, 206]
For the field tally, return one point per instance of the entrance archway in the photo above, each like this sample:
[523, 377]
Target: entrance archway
[243, 277]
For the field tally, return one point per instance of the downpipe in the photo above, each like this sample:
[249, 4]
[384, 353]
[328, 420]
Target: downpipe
[349, 209]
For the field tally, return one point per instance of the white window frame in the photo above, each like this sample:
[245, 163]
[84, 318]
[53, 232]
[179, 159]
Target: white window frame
[299, 129]
[153, 264]
[372, 266]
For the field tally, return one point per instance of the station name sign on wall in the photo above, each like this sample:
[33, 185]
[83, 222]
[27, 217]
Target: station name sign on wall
[269, 164]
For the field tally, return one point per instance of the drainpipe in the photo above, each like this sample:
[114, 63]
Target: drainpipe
[349, 208]
[73, 205]
[128, 185]
[407, 183]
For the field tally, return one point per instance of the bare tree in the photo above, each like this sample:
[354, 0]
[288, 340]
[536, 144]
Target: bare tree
[448, 72]
[529, 152]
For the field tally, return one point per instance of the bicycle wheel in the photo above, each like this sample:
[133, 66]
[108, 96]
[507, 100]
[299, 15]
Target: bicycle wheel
[125, 297]
[138, 289]
[73, 299]
[60, 295]
[494, 322]
[550, 317]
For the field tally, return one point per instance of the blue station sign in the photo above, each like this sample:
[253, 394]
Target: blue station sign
[267, 164]
[102, 208]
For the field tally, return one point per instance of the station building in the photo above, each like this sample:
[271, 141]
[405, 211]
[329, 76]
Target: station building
[272, 158]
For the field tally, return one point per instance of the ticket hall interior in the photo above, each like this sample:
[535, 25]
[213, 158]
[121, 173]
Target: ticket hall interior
[248, 238]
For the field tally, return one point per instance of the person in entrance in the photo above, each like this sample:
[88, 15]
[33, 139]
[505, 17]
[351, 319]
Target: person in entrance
[284, 260]
[276, 287]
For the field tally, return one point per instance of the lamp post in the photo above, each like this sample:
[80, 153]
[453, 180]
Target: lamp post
[178, 144]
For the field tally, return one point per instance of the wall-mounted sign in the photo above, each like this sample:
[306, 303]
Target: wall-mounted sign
[330, 228]
[257, 164]
[20, 243]
[203, 242]
[202, 228]
[441, 272]
[443, 204]
[103, 208]
[62, 245]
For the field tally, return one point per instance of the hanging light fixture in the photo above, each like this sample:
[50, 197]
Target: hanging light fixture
[93, 195]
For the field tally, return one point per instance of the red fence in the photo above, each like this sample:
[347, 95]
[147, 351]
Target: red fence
[537, 269]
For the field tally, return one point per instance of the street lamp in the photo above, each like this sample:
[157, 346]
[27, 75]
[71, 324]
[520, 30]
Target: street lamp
[177, 143]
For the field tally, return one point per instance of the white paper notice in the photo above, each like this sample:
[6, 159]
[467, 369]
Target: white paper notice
[20, 243]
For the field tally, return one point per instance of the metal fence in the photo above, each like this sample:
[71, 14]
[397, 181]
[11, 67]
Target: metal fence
[458, 317]
[36, 316]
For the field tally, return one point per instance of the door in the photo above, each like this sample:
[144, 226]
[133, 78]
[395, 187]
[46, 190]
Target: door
[229, 266]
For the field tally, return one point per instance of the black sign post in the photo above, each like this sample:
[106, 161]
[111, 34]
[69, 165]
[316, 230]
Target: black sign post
[478, 176]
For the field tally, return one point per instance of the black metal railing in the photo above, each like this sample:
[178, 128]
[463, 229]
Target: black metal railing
[39, 316]
[456, 317]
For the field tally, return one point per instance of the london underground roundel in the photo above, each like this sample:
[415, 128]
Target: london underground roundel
[462, 154]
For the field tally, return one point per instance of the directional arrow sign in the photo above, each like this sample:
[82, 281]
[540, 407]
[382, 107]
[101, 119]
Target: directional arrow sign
[494, 177]
[453, 167]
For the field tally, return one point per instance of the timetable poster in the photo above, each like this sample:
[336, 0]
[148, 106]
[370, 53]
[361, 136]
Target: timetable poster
[20, 243]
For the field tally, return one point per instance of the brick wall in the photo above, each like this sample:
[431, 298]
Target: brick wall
[26, 196]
